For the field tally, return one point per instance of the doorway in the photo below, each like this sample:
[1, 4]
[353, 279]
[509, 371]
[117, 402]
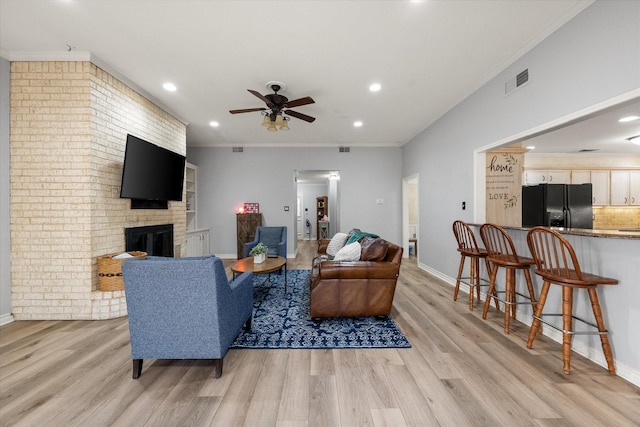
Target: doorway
[311, 185]
[410, 217]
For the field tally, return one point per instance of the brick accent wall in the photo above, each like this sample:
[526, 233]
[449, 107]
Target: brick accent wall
[69, 122]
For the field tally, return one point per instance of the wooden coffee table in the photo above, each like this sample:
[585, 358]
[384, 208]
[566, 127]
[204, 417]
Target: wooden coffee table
[267, 267]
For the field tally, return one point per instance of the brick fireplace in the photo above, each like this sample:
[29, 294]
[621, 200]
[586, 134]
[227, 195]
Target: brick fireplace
[69, 122]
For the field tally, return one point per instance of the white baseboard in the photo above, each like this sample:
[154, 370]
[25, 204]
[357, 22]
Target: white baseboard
[6, 318]
[593, 354]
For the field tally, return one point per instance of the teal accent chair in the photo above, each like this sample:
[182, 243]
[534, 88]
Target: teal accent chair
[274, 238]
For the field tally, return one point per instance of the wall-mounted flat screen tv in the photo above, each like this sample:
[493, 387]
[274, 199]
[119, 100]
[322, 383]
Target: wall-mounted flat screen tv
[151, 173]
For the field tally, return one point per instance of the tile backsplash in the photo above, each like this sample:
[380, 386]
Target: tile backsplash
[616, 217]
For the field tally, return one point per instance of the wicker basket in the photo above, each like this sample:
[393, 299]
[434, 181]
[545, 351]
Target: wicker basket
[110, 270]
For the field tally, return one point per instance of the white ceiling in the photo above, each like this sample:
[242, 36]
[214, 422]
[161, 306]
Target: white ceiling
[601, 132]
[427, 55]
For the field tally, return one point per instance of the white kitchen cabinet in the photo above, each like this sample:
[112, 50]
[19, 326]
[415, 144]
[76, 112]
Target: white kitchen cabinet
[198, 243]
[634, 188]
[625, 188]
[580, 177]
[547, 177]
[599, 181]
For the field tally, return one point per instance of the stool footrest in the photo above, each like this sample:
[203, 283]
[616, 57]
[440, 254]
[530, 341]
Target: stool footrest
[558, 328]
[482, 281]
[526, 297]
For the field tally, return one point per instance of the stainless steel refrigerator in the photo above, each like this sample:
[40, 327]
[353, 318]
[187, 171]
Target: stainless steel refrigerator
[557, 205]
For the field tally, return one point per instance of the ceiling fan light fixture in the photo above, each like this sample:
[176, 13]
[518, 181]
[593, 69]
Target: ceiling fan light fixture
[284, 125]
[279, 120]
[266, 122]
[272, 127]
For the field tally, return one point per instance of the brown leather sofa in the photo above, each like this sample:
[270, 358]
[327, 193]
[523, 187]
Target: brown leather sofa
[355, 288]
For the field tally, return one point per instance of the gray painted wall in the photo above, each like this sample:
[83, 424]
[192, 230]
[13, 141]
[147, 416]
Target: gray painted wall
[5, 243]
[591, 59]
[266, 176]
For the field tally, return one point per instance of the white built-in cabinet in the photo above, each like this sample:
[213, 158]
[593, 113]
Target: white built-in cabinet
[198, 243]
[547, 177]
[197, 239]
[599, 181]
[191, 174]
[625, 188]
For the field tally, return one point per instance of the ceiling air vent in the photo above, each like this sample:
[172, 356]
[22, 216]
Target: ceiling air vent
[516, 82]
[238, 149]
[344, 149]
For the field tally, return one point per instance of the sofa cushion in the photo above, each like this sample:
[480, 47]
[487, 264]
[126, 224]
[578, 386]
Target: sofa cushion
[350, 252]
[337, 242]
[373, 249]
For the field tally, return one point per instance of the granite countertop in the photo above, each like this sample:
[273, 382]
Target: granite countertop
[622, 233]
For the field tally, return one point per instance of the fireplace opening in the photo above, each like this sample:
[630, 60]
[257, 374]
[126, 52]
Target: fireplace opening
[155, 240]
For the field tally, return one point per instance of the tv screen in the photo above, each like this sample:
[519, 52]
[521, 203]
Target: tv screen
[151, 172]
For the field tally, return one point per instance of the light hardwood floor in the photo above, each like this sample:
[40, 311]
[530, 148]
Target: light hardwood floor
[460, 371]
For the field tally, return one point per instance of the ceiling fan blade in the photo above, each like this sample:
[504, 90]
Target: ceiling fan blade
[261, 96]
[298, 102]
[300, 116]
[246, 110]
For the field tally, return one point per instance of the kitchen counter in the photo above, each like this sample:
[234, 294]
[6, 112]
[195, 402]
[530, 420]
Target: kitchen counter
[623, 233]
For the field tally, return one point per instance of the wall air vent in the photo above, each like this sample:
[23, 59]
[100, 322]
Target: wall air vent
[516, 82]
[344, 149]
[238, 149]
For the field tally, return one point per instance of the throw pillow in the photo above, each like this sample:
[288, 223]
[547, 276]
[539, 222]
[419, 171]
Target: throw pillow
[336, 243]
[357, 235]
[374, 249]
[350, 252]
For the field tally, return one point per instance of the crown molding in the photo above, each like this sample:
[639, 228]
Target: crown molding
[88, 56]
[49, 56]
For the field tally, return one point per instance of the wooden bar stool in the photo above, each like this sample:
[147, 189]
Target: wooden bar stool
[502, 253]
[468, 248]
[556, 263]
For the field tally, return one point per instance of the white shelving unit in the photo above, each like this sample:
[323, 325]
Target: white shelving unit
[191, 172]
[197, 239]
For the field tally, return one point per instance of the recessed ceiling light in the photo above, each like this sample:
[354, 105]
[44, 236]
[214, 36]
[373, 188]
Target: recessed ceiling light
[170, 87]
[214, 124]
[375, 87]
[357, 124]
[531, 147]
[628, 119]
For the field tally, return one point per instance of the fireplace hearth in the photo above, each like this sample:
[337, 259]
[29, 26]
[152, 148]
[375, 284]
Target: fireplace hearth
[155, 240]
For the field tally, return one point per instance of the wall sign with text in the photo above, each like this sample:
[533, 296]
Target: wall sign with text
[504, 187]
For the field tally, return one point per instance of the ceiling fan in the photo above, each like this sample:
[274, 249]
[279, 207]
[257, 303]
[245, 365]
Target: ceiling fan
[277, 106]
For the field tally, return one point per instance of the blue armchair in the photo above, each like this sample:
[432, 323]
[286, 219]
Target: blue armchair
[184, 308]
[274, 238]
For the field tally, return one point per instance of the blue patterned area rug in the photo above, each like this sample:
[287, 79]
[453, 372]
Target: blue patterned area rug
[282, 320]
